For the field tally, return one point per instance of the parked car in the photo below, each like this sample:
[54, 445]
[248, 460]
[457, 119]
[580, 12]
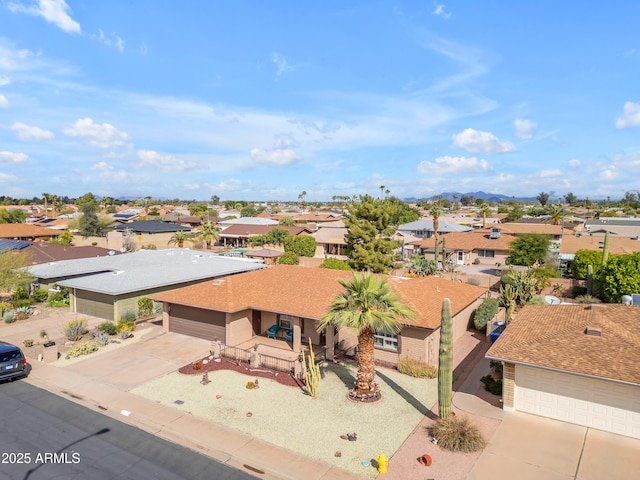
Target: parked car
[13, 363]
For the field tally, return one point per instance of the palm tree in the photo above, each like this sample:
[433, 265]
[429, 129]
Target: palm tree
[556, 214]
[367, 305]
[435, 212]
[209, 234]
[484, 210]
[179, 238]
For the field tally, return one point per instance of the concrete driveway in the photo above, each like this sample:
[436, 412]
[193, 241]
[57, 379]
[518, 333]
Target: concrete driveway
[528, 447]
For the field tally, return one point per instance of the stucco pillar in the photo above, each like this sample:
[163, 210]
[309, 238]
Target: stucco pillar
[296, 338]
[508, 386]
[165, 317]
[330, 351]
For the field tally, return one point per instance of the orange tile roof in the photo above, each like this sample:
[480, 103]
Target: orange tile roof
[553, 336]
[21, 230]
[539, 228]
[617, 245]
[307, 292]
[468, 241]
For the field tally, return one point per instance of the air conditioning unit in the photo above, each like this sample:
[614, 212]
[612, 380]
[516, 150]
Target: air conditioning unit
[635, 299]
[495, 233]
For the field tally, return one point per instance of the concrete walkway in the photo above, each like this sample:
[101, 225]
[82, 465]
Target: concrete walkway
[102, 383]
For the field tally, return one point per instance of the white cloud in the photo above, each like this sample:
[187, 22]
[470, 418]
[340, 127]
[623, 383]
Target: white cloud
[13, 157]
[281, 63]
[4, 81]
[552, 172]
[230, 185]
[574, 162]
[3, 101]
[163, 161]
[610, 173]
[108, 172]
[446, 165]
[29, 133]
[441, 12]
[53, 11]
[4, 177]
[475, 141]
[110, 41]
[282, 153]
[525, 128]
[630, 116]
[505, 178]
[102, 135]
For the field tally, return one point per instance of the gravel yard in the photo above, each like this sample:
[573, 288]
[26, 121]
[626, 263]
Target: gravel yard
[286, 417]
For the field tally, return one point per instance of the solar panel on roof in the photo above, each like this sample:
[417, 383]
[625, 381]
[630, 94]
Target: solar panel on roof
[7, 245]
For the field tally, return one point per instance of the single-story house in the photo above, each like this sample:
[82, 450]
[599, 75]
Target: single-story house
[617, 245]
[239, 235]
[576, 363]
[139, 227]
[11, 245]
[330, 238]
[44, 252]
[236, 309]
[489, 246]
[109, 287]
[423, 228]
[27, 232]
[539, 228]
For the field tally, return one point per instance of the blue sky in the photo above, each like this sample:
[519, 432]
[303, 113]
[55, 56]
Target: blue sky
[263, 100]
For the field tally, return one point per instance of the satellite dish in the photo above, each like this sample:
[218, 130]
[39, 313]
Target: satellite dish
[122, 249]
[551, 300]
[111, 253]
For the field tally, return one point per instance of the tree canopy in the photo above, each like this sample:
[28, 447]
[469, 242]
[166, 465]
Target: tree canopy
[583, 259]
[528, 249]
[620, 276]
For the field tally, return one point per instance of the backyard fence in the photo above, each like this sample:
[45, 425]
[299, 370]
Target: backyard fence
[235, 353]
[266, 361]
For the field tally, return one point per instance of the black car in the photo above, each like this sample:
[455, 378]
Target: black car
[13, 363]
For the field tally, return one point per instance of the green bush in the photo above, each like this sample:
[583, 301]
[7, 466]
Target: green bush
[476, 261]
[492, 385]
[109, 328]
[75, 329]
[9, 317]
[145, 307]
[103, 339]
[415, 368]
[40, 295]
[578, 291]
[126, 323]
[289, 258]
[458, 434]
[23, 302]
[474, 281]
[28, 342]
[335, 264]
[58, 299]
[302, 245]
[84, 348]
[485, 312]
[4, 307]
[21, 293]
[587, 299]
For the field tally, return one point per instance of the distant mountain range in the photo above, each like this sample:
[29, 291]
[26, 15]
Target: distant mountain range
[489, 197]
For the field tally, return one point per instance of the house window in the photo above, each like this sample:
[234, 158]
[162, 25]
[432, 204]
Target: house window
[386, 340]
[288, 321]
[486, 253]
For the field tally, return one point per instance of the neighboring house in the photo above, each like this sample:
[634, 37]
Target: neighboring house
[43, 252]
[540, 228]
[191, 220]
[330, 238]
[149, 227]
[10, 245]
[27, 232]
[109, 287]
[488, 246]
[423, 228]
[617, 245]
[627, 227]
[239, 235]
[576, 363]
[236, 309]
[246, 221]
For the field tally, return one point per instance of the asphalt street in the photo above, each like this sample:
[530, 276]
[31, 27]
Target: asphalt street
[43, 436]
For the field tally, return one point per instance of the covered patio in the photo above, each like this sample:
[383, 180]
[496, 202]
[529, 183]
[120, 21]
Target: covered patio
[279, 348]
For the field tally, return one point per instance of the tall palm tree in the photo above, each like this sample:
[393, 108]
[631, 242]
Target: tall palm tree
[556, 213]
[209, 234]
[484, 211]
[179, 238]
[436, 213]
[367, 305]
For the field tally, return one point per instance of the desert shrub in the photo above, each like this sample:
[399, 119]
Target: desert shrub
[28, 342]
[415, 368]
[145, 306]
[157, 307]
[492, 385]
[23, 302]
[126, 323]
[40, 295]
[124, 333]
[289, 258]
[303, 246]
[335, 264]
[485, 312]
[103, 339]
[21, 293]
[536, 300]
[4, 307]
[458, 435]
[496, 366]
[26, 310]
[43, 333]
[128, 317]
[58, 299]
[9, 317]
[476, 261]
[587, 299]
[84, 348]
[473, 281]
[75, 329]
[578, 290]
[109, 328]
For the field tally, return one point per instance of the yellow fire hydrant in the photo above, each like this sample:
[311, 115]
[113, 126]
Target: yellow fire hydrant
[383, 461]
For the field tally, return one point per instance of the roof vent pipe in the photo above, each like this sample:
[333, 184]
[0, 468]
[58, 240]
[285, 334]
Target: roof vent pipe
[593, 331]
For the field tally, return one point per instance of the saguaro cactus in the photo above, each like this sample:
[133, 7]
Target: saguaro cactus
[445, 361]
[311, 372]
[589, 279]
[605, 248]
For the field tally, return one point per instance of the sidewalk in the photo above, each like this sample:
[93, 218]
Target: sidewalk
[89, 388]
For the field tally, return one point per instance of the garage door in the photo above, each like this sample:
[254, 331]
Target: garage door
[197, 322]
[599, 404]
